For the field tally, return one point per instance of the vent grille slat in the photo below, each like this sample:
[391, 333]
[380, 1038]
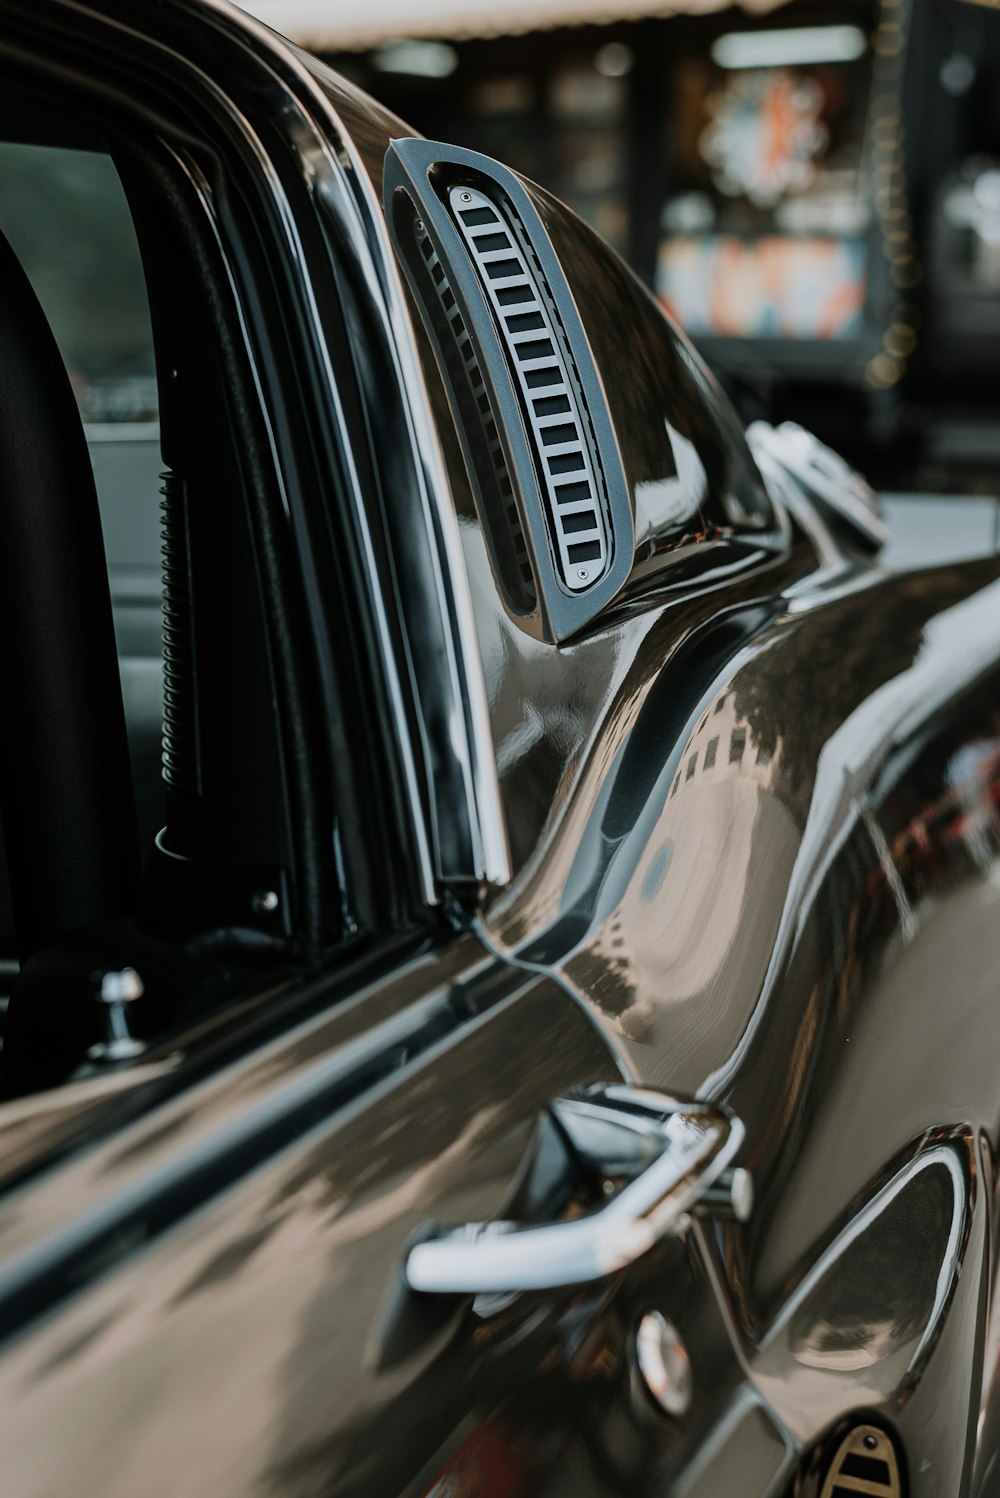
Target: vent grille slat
[481, 405]
[549, 392]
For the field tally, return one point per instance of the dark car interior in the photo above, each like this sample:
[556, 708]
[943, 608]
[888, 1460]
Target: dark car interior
[144, 807]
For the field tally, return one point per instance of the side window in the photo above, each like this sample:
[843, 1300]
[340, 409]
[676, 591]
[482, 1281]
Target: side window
[198, 858]
[66, 218]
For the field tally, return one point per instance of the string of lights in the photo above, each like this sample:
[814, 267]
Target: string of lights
[887, 164]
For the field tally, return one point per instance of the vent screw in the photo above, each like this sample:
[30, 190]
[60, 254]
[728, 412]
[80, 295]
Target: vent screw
[466, 197]
[582, 574]
[871, 1442]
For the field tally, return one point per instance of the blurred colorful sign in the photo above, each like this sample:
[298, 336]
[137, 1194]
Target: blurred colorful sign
[769, 287]
[765, 133]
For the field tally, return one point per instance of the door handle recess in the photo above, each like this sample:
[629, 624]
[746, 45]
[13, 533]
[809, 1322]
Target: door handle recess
[659, 1160]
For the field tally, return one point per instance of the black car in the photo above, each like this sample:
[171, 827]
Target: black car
[539, 1035]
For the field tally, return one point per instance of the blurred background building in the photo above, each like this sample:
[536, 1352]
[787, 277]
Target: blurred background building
[812, 187]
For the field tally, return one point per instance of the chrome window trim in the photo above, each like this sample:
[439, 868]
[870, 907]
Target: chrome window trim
[469, 738]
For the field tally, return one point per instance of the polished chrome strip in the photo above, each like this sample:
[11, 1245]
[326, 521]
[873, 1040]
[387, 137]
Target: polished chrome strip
[470, 736]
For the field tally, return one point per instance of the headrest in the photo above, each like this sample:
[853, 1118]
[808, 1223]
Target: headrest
[65, 782]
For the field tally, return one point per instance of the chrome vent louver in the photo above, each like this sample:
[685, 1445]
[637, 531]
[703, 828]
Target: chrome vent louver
[478, 405]
[527, 328]
[528, 403]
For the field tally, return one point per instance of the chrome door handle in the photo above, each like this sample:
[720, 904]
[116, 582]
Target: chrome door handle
[674, 1158]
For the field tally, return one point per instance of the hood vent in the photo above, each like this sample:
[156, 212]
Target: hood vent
[865, 1462]
[551, 401]
[531, 413]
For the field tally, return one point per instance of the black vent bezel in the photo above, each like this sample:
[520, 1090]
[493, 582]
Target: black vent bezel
[521, 525]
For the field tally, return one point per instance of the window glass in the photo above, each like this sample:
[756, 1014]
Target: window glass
[67, 220]
[214, 854]
[65, 215]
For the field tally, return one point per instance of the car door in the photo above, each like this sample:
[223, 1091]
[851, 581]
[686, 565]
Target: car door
[210, 1297]
[209, 1230]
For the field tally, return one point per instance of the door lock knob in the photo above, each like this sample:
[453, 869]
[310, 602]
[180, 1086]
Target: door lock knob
[117, 990]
